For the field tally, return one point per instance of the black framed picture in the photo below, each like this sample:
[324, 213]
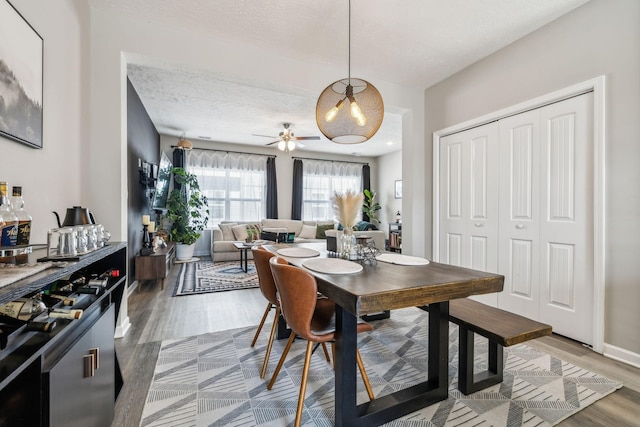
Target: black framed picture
[21, 76]
[398, 190]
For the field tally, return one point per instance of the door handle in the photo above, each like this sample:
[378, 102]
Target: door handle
[95, 352]
[88, 362]
[519, 226]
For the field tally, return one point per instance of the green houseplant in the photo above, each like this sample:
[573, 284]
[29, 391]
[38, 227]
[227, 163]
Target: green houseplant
[370, 207]
[187, 211]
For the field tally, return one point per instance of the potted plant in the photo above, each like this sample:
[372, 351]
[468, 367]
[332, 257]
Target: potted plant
[370, 207]
[187, 212]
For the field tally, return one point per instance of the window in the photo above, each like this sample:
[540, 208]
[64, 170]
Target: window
[235, 184]
[320, 179]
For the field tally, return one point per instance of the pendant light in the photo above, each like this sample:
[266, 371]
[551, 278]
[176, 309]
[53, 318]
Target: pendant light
[184, 144]
[349, 111]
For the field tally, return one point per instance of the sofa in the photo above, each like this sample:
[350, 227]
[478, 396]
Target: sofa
[228, 232]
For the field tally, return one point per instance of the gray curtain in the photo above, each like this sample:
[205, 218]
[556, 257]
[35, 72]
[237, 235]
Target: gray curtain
[272, 189]
[296, 197]
[366, 185]
[178, 162]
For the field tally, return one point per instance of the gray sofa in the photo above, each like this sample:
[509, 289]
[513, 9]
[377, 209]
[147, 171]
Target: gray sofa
[228, 232]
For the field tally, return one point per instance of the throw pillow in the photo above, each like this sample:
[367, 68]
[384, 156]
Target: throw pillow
[240, 232]
[227, 232]
[308, 232]
[321, 228]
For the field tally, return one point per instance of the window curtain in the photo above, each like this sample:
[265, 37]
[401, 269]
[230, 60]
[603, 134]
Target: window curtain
[366, 185]
[179, 156]
[234, 183]
[296, 197]
[272, 189]
[321, 178]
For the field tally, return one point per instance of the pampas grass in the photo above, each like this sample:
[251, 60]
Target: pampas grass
[346, 206]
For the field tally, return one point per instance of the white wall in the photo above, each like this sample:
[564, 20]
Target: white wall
[52, 178]
[600, 38]
[114, 36]
[390, 171]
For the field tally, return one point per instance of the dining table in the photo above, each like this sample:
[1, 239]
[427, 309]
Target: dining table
[380, 286]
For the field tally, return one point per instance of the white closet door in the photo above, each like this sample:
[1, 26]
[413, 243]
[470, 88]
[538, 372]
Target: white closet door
[546, 216]
[566, 232]
[519, 218]
[468, 200]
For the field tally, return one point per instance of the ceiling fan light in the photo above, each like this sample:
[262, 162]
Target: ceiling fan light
[291, 145]
[282, 145]
[184, 144]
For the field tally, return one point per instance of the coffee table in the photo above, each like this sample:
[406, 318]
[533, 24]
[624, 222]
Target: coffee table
[243, 247]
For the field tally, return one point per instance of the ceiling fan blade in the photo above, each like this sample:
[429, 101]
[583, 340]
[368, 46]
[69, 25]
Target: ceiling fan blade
[274, 142]
[266, 136]
[300, 144]
[307, 138]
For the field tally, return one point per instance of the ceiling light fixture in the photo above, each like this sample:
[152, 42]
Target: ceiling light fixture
[184, 144]
[364, 116]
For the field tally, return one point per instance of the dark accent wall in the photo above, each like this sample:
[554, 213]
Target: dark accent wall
[143, 142]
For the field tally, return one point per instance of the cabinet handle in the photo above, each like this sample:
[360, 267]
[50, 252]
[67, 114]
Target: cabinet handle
[478, 224]
[88, 365]
[519, 226]
[95, 352]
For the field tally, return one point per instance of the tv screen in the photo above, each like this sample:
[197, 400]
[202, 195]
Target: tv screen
[163, 183]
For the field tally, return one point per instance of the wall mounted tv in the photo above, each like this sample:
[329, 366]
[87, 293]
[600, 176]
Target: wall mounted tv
[162, 184]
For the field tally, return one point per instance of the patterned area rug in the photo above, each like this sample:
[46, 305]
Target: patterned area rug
[206, 276]
[214, 380]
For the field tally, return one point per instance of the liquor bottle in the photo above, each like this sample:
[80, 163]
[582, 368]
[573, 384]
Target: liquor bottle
[24, 219]
[9, 220]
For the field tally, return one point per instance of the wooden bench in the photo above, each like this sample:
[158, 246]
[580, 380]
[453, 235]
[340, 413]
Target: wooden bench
[501, 328]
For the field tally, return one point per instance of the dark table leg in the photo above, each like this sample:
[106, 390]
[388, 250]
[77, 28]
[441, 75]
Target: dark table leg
[389, 407]
[244, 255]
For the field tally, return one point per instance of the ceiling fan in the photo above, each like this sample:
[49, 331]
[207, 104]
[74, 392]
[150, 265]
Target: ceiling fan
[287, 141]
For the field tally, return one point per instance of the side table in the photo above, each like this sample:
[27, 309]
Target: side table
[244, 254]
[157, 265]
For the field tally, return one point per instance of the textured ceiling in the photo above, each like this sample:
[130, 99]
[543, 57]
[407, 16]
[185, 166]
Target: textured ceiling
[406, 42]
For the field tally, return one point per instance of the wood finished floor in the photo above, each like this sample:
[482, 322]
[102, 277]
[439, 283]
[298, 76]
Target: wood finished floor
[155, 316]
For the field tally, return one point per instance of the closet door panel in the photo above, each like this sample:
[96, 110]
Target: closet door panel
[452, 196]
[566, 231]
[468, 200]
[519, 228]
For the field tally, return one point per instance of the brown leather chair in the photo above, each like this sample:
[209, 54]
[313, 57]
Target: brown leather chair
[261, 258]
[309, 317]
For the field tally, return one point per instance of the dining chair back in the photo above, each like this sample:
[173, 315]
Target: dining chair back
[309, 317]
[261, 258]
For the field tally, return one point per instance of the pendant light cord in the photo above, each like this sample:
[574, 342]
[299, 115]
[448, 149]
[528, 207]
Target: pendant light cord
[349, 69]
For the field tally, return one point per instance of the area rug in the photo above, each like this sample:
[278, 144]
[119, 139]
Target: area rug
[206, 276]
[214, 380]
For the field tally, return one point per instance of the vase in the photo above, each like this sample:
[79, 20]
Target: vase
[184, 252]
[348, 244]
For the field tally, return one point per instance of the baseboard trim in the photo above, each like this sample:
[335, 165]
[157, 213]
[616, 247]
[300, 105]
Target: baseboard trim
[621, 355]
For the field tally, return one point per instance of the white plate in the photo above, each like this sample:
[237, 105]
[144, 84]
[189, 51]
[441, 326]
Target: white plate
[402, 259]
[332, 265]
[298, 252]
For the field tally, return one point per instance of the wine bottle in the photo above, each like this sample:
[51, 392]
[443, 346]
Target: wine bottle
[75, 313]
[24, 219]
[41, 326]
[8, 220]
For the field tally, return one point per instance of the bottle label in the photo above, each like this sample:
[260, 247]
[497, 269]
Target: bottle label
[12, 309]
[24, 233]
[9, 235]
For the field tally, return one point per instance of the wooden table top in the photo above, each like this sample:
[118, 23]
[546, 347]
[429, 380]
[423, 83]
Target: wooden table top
[386, 286]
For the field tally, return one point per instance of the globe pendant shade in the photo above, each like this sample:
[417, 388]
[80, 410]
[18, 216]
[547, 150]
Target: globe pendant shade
[338, 119]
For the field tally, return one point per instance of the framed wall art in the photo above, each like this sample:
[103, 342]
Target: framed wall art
[398, 190]
[21, 75]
